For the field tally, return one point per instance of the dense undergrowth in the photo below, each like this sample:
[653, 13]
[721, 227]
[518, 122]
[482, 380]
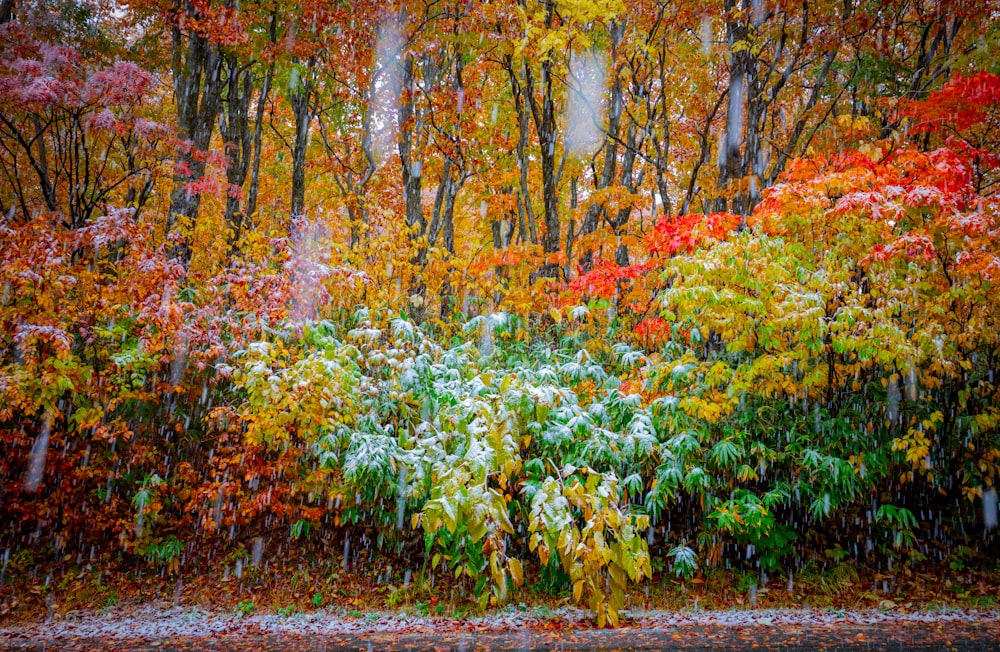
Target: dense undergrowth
[809, 387]
[797, 400]
[507, 450]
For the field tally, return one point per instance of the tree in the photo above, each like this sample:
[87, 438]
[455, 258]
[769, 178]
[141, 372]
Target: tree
[73, 143]
[197, 68]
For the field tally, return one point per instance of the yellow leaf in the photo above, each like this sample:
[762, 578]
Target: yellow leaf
[613, 617]
[516, 571]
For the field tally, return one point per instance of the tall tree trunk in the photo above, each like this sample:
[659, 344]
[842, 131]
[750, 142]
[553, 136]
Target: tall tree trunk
[415, 120]
[410, 124]
[198, 84]
[525, 212]
[258, 132]
[235, 130]
[543, 114]
[301, 100]
[742, 69]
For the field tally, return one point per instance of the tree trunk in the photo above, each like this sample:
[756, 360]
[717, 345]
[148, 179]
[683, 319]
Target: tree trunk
[409, 126]
[543, 114]
[235, 129]
[526, 214]
[258, 132]
[198, 84]
[301, 99]
[742, 69]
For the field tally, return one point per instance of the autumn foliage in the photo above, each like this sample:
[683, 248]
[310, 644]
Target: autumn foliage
[337, 275]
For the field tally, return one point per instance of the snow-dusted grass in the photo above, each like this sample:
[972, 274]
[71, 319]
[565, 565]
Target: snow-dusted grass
[150, 622]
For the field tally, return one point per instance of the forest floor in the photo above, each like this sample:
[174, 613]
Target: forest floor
[297, 584]
[153, 627]
[841, 607]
